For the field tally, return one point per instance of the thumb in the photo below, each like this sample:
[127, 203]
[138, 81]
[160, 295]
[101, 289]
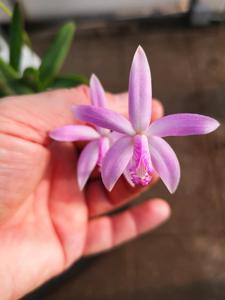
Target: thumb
[30, 117]
[24, 125]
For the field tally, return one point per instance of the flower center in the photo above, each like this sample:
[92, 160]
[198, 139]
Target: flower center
[141, 167]
[104, 145]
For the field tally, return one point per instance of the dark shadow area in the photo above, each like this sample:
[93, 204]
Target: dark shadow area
[208, 290]
[57, 282]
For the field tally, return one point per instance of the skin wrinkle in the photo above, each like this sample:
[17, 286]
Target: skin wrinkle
[54, 227]
[37, 130]
[77, 210]
[16, 157]
[13, 125]
[30, 224]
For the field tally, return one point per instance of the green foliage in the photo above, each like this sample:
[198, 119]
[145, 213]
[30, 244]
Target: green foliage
[68, 81]
[16, 37]
[19, 88]
[7, 71]
[56, 54]
[5, 89]
[34, 80]
[31, 79]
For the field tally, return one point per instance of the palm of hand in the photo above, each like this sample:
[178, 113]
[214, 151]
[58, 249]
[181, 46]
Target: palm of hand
[46, 223]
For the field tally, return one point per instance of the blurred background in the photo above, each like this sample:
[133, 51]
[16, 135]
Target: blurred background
[185, 42]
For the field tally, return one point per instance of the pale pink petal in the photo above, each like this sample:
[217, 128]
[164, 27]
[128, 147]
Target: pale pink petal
[97, 92]
[140, 91]
[86, 162]
[116, 161]
[98, 98]
[72, 133]
[114, 136]
[126, 174]
[182, 124]
[165, 162]
[103, 117]
[104, 145]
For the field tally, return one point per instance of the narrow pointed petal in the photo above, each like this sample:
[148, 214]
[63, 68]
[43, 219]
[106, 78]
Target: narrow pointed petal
[116, 161]
[103, 117]
[86, 163]
[182, 125]
[98, 98]
[72, 133]
[165, 162]
[97, 92]
[104, 145]
[140, 91]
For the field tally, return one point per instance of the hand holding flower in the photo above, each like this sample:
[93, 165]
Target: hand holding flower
[46, 223]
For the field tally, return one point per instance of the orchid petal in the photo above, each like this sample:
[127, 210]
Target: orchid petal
[182, 125]
[103, 117]
[72, 133]
[98, 98]
[127, 175]
[140, 91]
[114, 136]
[104, 145]
[86, 162]
[165, 162]
[116, 161]
[97, 92]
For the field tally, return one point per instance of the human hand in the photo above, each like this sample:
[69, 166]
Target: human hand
[46, 223]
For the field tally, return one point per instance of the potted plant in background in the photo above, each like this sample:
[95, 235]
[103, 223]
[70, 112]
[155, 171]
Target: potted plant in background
[17, 80]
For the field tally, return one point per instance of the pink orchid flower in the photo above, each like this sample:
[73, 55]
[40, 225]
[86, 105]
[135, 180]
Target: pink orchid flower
[99, 138]
[141, 150]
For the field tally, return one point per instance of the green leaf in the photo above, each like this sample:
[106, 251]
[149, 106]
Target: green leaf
[68, 81]
[5, 89]
[7, 71]
[13, 87]
[26, 39]
[31, 79]
[20, 88]
[56, 54]
[16, 37]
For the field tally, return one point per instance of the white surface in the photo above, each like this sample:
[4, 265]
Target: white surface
[29, 59]
[43, 9]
